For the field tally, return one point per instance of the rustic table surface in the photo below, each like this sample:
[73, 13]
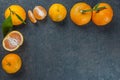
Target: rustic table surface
[64, 51]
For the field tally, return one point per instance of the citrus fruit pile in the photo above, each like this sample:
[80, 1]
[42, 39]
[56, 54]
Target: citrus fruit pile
[81, 14]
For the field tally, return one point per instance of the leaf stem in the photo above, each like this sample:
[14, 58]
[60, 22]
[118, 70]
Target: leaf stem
[11, 11]
[17, 16]
[94, 9]
[100, 8]
[84, 11]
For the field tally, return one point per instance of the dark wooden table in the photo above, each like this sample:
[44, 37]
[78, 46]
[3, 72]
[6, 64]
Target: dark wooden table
[64, 51]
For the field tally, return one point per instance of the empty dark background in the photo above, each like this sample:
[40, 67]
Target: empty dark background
[64, 51]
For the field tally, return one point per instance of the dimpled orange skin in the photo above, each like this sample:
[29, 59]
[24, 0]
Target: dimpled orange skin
[77, 16]
[57, 12]
[11, 63]
[18, 10]
[104, 16]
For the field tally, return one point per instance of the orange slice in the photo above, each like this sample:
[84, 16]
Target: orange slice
[13, 41]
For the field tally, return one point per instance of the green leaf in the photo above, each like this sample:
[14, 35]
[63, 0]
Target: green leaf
[20, 18]
[7, 26]
[96, 6]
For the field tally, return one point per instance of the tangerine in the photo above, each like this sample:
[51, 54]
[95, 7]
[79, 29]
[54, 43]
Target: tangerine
[19, 11]
[77, 15]
[57, 12]
[11, 63]
[103, 16]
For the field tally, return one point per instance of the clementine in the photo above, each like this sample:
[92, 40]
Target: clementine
[11, 63]
[78, 16]
[57, 12]
[104, 15]
[19, 11]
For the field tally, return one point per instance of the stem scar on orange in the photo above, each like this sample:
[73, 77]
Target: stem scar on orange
[77, 15]
[103, 16]
[11, 63]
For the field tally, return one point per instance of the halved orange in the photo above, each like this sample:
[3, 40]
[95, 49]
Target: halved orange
[13, 41]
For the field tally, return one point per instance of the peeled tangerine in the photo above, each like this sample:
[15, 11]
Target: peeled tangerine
[31, 16]
[13, 41]
[39, 12]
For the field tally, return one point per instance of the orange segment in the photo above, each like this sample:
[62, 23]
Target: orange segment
[77, 16]
[39, 12]
[13, 41]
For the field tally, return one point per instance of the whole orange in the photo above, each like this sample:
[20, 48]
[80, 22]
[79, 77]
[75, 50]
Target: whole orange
[104, 16]
[18, 10]
[57, 12]
[11, 63]
[77, 16]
